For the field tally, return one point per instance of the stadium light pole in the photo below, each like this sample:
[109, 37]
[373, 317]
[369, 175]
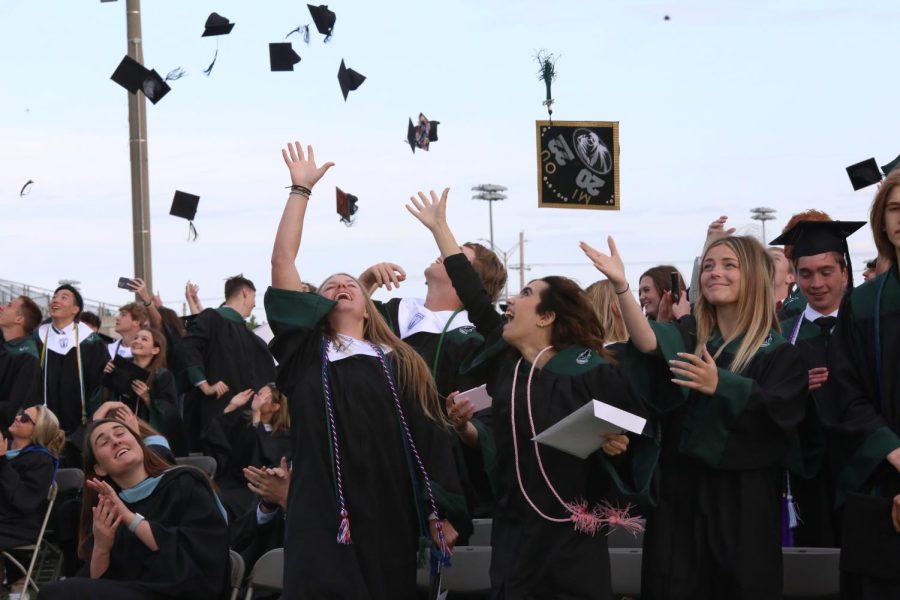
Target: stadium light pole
[491, 193]
[762, 214]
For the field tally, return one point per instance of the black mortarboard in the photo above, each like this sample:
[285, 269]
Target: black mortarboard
[323, 18]
[184, 205]
[421, 135]
[134, 76]
[216, 24]
[808, 238]
[155, 87]
[886, 169]
[346, 205]
[121, 377]
[349, 79]
[282, 56]
[864, 174]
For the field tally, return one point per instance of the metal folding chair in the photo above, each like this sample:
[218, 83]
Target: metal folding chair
[34, 548]
[207, 464]
[267, 573]
[811, 572]
[237, 573]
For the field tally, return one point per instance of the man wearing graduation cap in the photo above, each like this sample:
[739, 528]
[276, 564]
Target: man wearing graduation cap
[822, 263]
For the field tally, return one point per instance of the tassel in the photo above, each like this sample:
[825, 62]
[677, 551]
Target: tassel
[793, 518]
[176, 73]
[444, 558]
[343, 536]
[209, 69]
[586, 520]
[613, 516]
[192, 232]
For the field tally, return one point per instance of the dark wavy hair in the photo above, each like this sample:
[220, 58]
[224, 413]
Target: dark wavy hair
[576, 322]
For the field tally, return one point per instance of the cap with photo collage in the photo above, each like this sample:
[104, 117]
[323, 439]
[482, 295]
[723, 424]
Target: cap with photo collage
[346, 206]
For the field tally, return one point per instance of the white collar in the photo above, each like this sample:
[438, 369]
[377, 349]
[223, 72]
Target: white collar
[811, 314]
[347, 346]
[117, 347]
[62, 341]
[413, 317]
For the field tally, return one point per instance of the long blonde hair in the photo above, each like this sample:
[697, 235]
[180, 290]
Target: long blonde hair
[413, 375]
[603, 298]
[46, 431]
[755, 308]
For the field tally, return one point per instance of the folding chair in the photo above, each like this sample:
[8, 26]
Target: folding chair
[267, 573]
[237, 573]
[482, 534]
[470, 570]
[69, 479]
[34, 548]
[811, 572]
[207, 464]
[625, 571]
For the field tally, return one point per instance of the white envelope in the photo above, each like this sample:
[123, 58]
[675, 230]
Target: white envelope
[477, 396]
[579, 433]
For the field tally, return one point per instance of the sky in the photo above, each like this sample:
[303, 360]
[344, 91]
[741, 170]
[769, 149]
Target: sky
[726, 106]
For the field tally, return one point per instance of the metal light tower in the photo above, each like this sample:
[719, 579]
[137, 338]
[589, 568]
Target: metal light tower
[762, 214]
[491, 193]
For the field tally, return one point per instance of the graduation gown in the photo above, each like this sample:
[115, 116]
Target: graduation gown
[192, 561]
[863, 418]
[219, 347]
[24, 483]
[716, 530]
[532, 557]
[377, 476]
[20, 378]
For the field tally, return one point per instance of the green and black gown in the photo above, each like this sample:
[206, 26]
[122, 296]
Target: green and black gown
[218, 346]
[190, 529]
[716, 530]
[20, 378]
[381, 483]
[532, 557]
[810, 466]
[444, 339]
[864, 422]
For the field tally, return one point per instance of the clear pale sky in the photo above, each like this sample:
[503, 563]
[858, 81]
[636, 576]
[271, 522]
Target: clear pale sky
[727, 106]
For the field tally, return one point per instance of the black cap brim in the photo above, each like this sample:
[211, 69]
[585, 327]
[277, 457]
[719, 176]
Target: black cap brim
[886, 169]
[349, 79]
[216, 24]
[323, 18]
[184, 205]
[282, 56]
[121, 377]
[863, 174]
[411, 136]
[808, 238]
[130, 74]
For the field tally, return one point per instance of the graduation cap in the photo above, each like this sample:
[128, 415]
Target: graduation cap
[346, 206]
[216, 24]
[121, 377]
[282, 56]
[886, 169]
[134, 76]
[421, 135]
[808, 238]
[864, 174]
[349, 79]
[184, 205]
[323, 18]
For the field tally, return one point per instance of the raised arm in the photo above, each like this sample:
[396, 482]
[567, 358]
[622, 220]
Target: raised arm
[639, 330]
[304, 175]
[432, 213]
[192, 295]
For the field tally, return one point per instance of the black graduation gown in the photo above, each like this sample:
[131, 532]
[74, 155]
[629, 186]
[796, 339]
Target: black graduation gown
[219, 347]
[192, 561]
[20, 378]
[377, 479]
[716, 530]
[863, 420]
[532, 557]
[24, 483]
[810, 472]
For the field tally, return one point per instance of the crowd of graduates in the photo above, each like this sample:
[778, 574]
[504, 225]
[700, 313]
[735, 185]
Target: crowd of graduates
[767, 379]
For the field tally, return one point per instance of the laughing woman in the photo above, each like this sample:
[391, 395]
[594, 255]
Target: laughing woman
[366, 438]
[725, 419]
[543, 364]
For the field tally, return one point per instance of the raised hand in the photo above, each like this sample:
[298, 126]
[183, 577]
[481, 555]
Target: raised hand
[430, 211]
[304, 171]
[717, 231]
[699, 374]
[239, 399]
[139, 287]
[106, 521]
[385, 274]
[610, 265]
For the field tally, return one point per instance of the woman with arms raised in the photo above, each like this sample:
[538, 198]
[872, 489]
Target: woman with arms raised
[726, 419]
[366, 438]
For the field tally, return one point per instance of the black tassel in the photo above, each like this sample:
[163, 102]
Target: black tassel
[176, 73]
[192, 232]
[302, 31]
[209, 69]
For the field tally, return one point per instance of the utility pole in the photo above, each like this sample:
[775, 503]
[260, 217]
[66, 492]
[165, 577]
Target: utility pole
[491, 193]
[762, 214]
[137, 146]
[521, 260]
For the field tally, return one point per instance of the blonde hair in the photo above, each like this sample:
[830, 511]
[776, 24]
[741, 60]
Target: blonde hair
[603, 298]
[412, 373]
[755, 309]
[46, 431]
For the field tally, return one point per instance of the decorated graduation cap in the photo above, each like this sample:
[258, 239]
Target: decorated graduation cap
[323, 18]
[346, 206]
[863, 174]
[349, 79]
[886, 169]
[282, 56]
[134, 76]
[547, 73]
[216, 24]
[808, 238]
[184, 205]
[121, 377]
[421, 135]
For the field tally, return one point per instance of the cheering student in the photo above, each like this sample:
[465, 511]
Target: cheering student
[148, 530]
[737, 394]
[367, 444]
[73, 358]
[131, 318]
[864, 414]
[27, 469]
[544, 363]
[653, 284]
[20, 368]
[153, 439]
